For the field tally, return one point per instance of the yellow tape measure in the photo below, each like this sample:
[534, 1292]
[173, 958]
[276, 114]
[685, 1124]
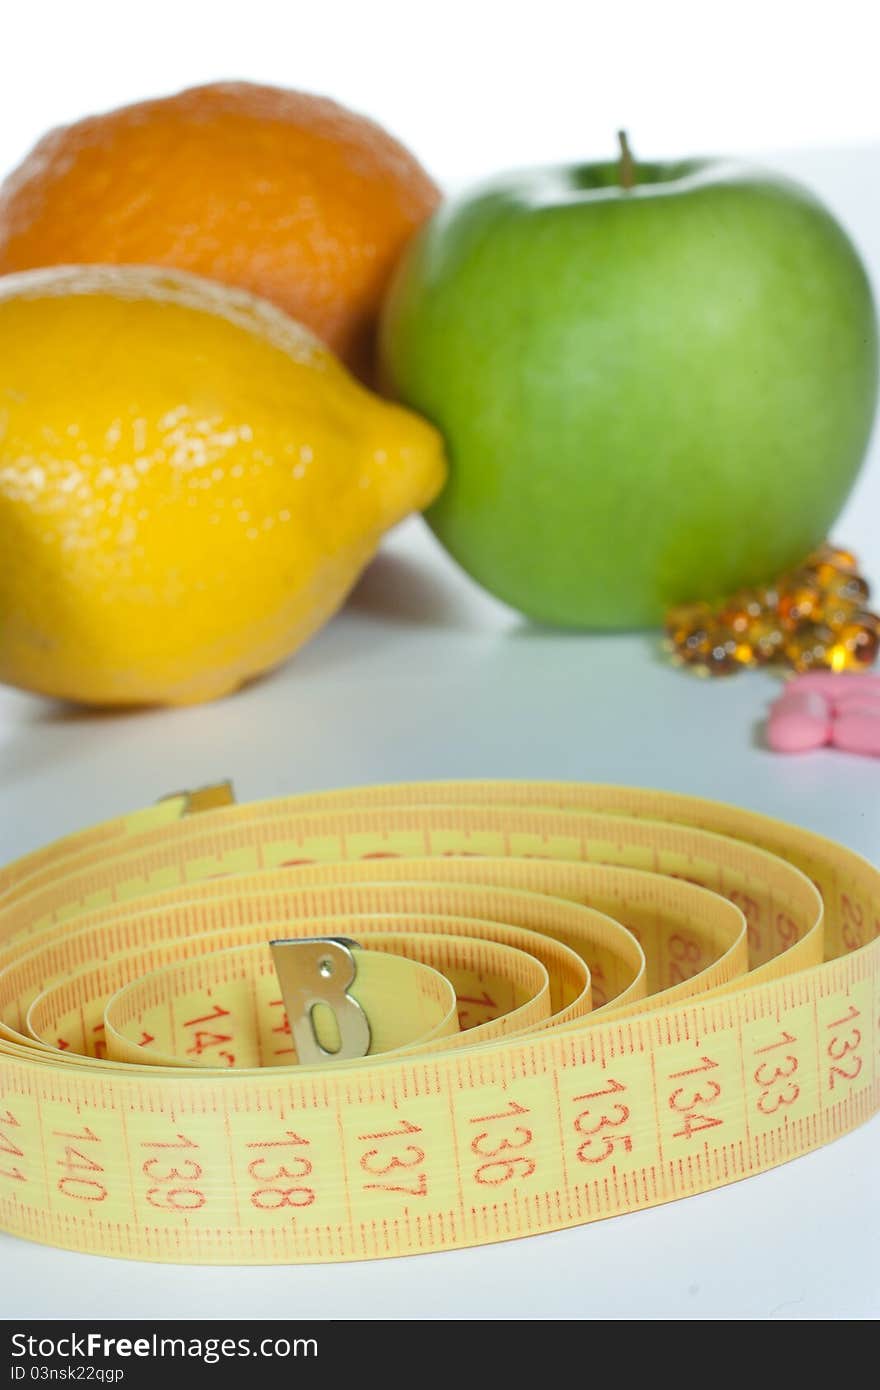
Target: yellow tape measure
[578, 1001]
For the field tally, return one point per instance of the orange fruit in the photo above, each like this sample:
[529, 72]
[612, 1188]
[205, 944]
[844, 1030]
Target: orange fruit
[284, 194]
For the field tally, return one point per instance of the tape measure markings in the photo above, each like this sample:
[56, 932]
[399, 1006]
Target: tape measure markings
[659, 1096]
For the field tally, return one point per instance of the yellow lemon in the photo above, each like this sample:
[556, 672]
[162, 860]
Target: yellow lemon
[189, 484]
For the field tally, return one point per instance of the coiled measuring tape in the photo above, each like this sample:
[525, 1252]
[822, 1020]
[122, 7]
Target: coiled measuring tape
[492, 1010]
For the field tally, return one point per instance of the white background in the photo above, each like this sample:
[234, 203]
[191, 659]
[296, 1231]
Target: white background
[423, 676]
[473, 86]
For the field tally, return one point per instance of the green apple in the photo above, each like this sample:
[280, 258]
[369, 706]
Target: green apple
[656, 382]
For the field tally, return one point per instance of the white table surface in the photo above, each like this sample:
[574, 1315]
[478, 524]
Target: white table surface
[422, 677]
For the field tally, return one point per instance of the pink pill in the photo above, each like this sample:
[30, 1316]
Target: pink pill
[857, 699]
[856, 729]
[799, 720]
[833, 687]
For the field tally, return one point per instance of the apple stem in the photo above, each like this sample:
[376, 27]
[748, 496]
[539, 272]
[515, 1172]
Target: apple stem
[626, 168]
